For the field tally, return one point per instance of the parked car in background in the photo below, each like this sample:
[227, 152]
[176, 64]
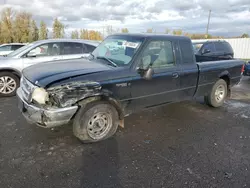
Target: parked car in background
[145, 71]
[246, 69]
[12, 65]
[5, 49]
[213, 50]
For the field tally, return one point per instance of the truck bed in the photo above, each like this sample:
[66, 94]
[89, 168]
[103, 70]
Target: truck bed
[202, 58]
[210, 71]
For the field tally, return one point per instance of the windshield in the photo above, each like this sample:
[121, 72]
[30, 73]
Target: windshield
[19, 50]
[197, 46]
[5, 48]
[118, 50]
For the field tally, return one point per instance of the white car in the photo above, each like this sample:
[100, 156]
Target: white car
[5, 49]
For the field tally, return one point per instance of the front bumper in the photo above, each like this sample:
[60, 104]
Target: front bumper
[46, 118]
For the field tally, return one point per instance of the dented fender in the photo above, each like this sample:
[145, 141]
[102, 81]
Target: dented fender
[68, 94]
[111, 100]
[82, 93]
[83, 103]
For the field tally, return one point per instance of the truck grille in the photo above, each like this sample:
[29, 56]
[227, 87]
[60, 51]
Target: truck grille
[27, 88]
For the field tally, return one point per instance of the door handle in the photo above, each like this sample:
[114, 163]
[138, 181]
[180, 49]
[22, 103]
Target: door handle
[55, 58]
[175, 75]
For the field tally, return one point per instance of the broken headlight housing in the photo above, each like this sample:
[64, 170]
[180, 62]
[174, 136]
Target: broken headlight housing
[40, 95]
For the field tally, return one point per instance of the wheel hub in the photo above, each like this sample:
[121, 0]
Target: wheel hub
[220, 93]
[7, 84]
[99, 125]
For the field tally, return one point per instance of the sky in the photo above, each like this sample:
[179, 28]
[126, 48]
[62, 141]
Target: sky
[228, 17]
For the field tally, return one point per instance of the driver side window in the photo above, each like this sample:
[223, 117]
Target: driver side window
[159, 54]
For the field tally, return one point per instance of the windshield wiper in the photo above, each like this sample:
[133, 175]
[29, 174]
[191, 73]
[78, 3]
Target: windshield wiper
[108, 60]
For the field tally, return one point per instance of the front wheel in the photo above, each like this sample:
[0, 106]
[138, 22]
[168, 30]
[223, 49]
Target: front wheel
[8, 84]
[218, 94]
[97, 121]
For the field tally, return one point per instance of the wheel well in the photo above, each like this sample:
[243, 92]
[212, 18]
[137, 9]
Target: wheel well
[12, 71]
[227, 80]
[110, 100]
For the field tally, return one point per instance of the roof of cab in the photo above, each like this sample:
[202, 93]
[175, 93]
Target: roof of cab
[153, 35]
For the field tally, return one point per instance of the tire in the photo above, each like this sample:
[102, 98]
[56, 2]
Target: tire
[6, 77]
[218, 94]
[90, 117]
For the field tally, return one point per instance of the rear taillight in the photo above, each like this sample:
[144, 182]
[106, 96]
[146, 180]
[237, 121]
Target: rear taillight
[243, 67]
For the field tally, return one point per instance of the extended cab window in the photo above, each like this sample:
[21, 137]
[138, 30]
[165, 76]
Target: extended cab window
[186, 52]
[159, 54]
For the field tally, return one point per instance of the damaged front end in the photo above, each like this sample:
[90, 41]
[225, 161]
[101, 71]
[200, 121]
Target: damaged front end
[66, 95]
[56, 105]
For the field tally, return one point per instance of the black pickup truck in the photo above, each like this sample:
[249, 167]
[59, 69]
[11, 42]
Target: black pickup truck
[124, 74]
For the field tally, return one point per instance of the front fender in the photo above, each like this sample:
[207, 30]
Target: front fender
[103, 97]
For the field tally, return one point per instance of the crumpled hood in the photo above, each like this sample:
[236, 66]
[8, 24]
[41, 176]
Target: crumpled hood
[43, 74]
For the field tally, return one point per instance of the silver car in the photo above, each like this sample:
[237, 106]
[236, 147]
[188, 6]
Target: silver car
[37, 52]
[6, 49]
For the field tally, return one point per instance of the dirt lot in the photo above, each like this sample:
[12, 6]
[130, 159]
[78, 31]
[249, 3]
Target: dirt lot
[181, 145]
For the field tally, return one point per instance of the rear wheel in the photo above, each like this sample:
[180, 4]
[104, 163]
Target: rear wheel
[97, 121]
[218, 94]
[8, 84]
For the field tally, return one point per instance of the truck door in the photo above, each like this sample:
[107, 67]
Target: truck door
[165, 83]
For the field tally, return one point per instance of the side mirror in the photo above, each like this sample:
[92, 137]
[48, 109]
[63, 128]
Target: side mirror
[147, 74]
[31, 54]
[205, 51]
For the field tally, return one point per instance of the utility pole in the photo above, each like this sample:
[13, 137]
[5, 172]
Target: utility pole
[208, 22]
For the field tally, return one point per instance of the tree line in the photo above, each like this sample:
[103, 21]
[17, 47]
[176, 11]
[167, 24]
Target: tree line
[96, 35]
[194, 35]
[19, 26]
